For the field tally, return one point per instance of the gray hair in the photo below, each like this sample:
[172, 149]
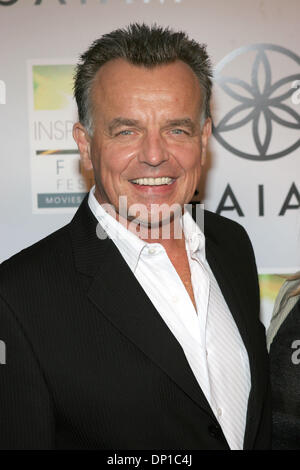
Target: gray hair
[143, 45]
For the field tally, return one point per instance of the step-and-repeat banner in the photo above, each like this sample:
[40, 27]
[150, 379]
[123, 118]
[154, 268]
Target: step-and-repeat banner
[252, 174]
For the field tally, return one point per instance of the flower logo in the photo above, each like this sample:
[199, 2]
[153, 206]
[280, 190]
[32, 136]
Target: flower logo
[259, 104]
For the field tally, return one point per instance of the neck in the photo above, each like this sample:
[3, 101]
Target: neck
[170, 235]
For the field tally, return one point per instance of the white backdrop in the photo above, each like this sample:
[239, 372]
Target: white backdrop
[253, 171]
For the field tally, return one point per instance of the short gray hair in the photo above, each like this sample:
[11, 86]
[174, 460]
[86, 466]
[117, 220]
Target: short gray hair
[140, 44]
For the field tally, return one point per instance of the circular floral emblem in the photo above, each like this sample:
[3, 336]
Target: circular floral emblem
[257, 101]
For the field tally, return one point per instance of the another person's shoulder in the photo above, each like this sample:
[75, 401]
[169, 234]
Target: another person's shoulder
[287, 297]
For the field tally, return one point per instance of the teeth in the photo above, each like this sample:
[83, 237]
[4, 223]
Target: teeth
[153, 181]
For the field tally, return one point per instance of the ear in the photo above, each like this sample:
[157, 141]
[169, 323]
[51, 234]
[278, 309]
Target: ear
[82, 140]
[205, 135]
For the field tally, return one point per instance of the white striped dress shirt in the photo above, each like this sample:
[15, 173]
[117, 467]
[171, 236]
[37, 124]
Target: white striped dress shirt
[209, 337]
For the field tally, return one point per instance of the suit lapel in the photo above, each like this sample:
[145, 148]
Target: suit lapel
[119, 297]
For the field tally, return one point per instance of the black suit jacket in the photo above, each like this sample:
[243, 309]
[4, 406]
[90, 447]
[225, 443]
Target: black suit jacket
[90, 364]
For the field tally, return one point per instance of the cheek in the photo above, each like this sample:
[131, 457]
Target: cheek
[189, 160]
[114, 161]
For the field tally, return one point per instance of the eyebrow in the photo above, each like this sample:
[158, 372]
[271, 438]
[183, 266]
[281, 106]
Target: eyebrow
[119, 121]
[182, 122]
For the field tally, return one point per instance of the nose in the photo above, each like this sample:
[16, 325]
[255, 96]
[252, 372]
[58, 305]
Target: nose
[153, 151]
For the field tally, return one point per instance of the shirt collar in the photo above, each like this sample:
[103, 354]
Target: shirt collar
[131, 246]
[194, 237]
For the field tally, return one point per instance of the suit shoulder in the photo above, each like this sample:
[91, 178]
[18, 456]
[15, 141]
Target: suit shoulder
[219, 226]
[231, 242]
[45, 252]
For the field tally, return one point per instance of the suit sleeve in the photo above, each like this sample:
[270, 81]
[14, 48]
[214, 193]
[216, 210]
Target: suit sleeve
[26, 412]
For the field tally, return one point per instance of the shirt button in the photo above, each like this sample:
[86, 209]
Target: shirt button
[152, 250]
[219, 412]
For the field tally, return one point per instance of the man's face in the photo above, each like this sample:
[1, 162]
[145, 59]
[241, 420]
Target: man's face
[146, 126]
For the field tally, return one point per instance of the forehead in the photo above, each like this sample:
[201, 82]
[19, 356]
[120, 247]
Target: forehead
[119, 82]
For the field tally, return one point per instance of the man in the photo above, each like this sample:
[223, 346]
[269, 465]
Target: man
[118, 336]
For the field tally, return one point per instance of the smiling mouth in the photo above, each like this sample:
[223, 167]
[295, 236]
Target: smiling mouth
[153, 181]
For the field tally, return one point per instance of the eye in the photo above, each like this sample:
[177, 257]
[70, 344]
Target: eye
[125, 132]
[178, 131]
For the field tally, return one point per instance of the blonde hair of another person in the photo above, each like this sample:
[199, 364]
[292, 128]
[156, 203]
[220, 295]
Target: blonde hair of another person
[286, 299]
[294, 277]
